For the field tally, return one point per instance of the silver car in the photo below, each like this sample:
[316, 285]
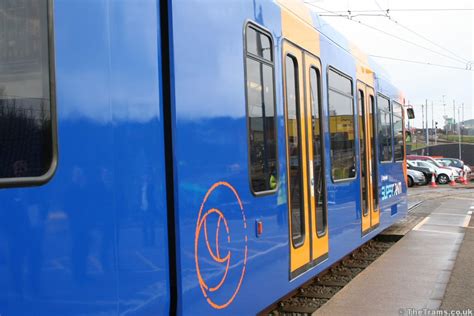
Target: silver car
[415, 177]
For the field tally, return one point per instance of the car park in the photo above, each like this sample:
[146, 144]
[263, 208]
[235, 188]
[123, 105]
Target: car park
[456, 171]
[442, 168]
[457, 163]
[415, 177]
[427, 171]
[443, 174]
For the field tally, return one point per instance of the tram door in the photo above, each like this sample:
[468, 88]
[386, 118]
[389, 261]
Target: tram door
[368, 163]
[305, 160]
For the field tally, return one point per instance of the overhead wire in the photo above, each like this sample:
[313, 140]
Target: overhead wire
[457, 58]
[400, 10]
[377, 3]
[428, 40]
[408, 10]
[419, 62]
[418, 34]
[411, 42]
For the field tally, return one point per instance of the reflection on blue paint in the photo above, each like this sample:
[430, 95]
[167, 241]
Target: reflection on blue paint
[93, 241]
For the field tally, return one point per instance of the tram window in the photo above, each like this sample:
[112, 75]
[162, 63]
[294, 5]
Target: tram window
[398, 132]
[373, 155]
[26, 107]
[363, 151]
[340, 83]
[318, 171]
[294, 150]
[259, 44]
[384, 129]
[341, 126]
[261, 112]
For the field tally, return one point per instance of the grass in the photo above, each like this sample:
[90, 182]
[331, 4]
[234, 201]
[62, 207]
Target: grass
[464, 138]
[415, 146]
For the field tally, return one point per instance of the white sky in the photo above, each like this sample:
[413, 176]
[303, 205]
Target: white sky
[453, 30]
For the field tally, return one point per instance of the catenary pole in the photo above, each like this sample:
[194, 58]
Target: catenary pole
[427, 128]
[459, 132]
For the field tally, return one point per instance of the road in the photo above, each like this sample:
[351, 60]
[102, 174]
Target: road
[429, 197]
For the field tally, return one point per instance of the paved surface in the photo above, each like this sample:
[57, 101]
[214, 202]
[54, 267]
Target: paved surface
[416, 271]
[460, 291]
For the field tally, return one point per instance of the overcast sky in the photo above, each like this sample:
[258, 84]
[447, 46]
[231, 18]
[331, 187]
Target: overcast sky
[452, 30]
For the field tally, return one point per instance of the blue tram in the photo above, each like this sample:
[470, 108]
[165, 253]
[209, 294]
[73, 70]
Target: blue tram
[185, 157]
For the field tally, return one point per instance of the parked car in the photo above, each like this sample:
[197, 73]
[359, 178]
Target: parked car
[457, 163]
[443, 174]
[454, 171]
[469, 174]
[415, 177]
[427, 172]
[453, 162]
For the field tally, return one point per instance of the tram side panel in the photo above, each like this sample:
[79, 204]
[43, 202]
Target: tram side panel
[225, 267]
[223, 261]
[390, 154]
[392, 192]
[344, 188]
[93, 239]
[136, 96]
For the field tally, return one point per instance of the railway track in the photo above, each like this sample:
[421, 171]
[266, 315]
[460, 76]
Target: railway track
[314, 294]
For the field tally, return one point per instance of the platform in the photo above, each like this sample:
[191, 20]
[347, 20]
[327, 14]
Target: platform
[460, 291]
[415, 273]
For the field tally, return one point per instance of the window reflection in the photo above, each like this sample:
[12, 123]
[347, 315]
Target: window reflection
[261, 112]
[318, 172]
[294, 150]
[398, 132]
[341, 127]
[259, 44]
[25, 107]
[384, 129]
[372, 128]
[363, 153]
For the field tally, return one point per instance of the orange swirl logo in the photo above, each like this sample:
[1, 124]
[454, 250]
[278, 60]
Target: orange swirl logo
[219, 253]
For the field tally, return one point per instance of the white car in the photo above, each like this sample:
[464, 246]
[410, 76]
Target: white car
[456, 170]
[443, 174]
[453, 162]
[467, 171]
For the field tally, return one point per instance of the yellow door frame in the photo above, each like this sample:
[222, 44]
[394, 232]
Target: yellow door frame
[299, 253]
[319, 240]
[371, 219]
[314, 247]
